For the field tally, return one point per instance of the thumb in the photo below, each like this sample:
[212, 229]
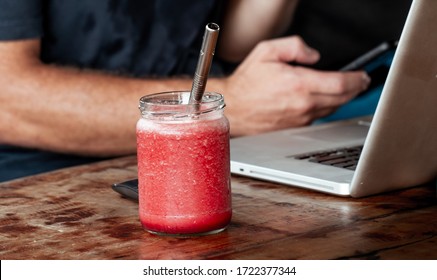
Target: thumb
[287, 49]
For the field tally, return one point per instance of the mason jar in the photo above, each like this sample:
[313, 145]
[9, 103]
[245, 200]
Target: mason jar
[183, 164]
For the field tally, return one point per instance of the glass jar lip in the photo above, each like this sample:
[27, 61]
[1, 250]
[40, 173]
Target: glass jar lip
[175, 104]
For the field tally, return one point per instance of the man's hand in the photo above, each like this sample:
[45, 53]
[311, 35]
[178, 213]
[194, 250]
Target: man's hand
[267, 93]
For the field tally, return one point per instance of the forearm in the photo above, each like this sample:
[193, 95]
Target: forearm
[73, 111]
[248, 22]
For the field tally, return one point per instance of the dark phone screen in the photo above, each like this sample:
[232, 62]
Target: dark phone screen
[378, 70]
[376, 63]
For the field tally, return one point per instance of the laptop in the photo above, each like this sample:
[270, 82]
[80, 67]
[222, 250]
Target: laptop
[393, 149]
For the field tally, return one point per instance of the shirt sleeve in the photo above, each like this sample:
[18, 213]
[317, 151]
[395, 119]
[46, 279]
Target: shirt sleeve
[20, 19]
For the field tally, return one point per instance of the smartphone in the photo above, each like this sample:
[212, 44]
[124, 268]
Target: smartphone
[375, 62]
[128, 189]
[371, 57]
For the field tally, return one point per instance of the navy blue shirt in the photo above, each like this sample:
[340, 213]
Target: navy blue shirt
[136, 37]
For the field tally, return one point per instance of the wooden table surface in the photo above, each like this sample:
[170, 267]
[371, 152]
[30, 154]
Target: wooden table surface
[74, 214]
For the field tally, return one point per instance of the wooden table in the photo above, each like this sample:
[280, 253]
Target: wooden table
[74, 214]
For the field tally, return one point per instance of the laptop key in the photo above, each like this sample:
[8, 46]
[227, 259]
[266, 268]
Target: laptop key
[345, 164]
[336, 161]
[353, 167]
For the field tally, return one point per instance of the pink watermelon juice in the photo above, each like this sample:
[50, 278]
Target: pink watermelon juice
[184, 174]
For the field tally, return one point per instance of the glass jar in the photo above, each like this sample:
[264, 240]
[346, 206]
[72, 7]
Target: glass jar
[183, 164]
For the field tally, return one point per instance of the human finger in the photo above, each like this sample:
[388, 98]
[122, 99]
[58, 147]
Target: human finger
[334, 83]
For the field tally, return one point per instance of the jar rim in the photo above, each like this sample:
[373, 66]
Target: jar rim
[175, 104]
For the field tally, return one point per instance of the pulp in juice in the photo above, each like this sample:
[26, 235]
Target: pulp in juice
[184, 175]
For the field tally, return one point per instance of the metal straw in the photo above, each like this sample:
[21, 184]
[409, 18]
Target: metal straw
[204, 63]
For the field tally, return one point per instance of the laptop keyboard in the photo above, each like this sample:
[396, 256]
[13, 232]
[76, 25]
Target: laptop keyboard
[341, 157]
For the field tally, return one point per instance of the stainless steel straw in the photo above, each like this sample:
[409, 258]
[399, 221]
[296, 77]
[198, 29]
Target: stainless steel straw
[204, 63]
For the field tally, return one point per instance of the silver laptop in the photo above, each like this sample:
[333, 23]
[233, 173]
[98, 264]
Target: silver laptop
[396, 148]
